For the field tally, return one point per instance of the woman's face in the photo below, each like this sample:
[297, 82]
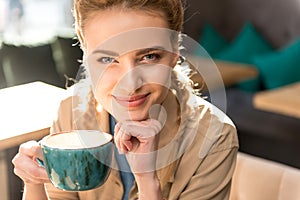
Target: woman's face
[129, 56]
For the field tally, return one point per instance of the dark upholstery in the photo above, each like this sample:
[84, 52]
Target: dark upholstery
[23, 64]
[265, 134]
[2, 77]
[277, 20]
[67, 56]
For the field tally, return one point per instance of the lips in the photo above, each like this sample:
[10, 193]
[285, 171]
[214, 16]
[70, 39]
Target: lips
[132, 101]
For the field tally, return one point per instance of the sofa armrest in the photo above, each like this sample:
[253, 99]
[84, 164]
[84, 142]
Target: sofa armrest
[260, 179]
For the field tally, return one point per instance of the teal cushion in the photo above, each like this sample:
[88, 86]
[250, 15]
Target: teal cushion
[280, 68]
[211, 41]
[250, 85]
[246, 44]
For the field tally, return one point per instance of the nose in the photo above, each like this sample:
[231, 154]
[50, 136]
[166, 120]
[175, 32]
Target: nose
[132, 76]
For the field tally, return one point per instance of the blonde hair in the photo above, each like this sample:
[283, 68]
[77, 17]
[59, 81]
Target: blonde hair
[171, 9]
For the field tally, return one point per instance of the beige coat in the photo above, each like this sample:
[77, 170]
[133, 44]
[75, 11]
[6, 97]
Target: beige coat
[204, 151]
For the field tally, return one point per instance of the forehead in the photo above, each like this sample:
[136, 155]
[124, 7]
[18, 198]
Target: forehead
[138, 39]
[123, 31]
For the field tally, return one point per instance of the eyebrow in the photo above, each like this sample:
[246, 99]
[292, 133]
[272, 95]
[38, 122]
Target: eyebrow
[138, 53]
[147, 50]
[107, 52]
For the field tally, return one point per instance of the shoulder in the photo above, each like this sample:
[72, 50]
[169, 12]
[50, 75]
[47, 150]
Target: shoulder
[78, 110]
[210, 146]
[74, 105]
[208, 107]
[63, 119]
[214, 130]
[77, 96]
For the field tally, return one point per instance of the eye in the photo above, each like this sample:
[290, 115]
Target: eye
[106, 60]
[151, 57]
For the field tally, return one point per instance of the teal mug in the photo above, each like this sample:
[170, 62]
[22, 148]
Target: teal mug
[78, 160]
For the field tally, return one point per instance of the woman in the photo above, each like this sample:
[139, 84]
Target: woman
[175, 149]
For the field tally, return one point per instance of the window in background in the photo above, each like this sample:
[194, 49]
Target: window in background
[35, 21]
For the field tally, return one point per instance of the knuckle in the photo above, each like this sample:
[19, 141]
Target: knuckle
[27, 146]
[34, 172]
[17, 172]
[22, 148]
[15, 159]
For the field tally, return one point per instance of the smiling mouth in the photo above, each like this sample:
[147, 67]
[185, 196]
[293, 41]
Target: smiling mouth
[132, 101]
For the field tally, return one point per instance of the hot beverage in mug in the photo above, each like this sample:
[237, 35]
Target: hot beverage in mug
[77, 160]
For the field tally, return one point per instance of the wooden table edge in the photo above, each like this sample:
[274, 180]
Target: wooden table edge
[19, 139]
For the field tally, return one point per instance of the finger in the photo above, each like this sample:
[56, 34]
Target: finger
[145, 129]
[116, 134]
[126, 141]
[28, 179]
[28, 169]
[117, 128]
[117, 139]
[123, 137]
[30, 166]
[24, 176]
[31, 149]
[156, 124]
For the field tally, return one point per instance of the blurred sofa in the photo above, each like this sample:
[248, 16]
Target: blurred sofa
[261, 179]
[53, 62]
[235, 29]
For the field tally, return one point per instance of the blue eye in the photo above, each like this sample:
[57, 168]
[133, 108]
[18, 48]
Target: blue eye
[106, 60]
[151, 57]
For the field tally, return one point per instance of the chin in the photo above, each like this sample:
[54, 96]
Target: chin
[136, 115]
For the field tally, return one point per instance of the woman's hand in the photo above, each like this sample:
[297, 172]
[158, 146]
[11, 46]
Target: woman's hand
[26, 166]
[138, 140]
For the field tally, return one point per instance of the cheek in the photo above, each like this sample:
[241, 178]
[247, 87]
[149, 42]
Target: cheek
[163, 93]
[102, 95]
[103, 86]
[160, 75]
[102, 77]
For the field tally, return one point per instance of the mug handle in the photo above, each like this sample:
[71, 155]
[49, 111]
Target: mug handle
[40, 162]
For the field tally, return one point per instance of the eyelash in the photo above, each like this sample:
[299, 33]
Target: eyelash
[102, 60]
[157, 57]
